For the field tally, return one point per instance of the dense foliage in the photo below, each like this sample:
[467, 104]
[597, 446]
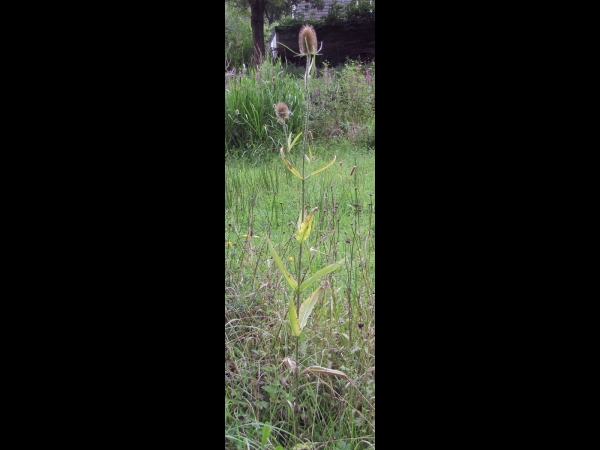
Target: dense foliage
[350, 15]
[238, 37]
[342, 105]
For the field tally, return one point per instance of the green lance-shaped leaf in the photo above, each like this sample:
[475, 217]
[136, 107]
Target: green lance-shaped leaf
[291, 144]
[289, 165]
[324, 271]
[305, 226]
[322, 168]
[307, 307]
[294, 318]
[298, 323]
[293, 284]
[265, 433]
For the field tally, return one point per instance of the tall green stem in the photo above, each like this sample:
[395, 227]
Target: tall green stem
[302, 212]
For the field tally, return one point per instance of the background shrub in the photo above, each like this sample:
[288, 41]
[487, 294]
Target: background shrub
[238, 38]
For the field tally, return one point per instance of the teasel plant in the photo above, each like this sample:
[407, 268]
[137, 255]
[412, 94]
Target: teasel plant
[299, 312]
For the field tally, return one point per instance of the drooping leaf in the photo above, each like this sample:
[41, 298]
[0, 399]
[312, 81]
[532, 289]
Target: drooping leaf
[293, 316]
[307, 307]
[289, 362]
[289, 165]
[322, 168]
[301, 217]
[293, 284]
[318, 274]
[306, 226]
[319, 369]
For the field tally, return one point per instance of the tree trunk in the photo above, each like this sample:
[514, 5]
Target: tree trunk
[257, 21]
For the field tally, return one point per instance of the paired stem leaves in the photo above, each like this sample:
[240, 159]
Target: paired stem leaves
[298, 323]
[293, 169]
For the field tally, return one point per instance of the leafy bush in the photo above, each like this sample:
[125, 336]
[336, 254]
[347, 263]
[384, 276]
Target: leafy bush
[238, 38]
[343, 102]
[351, 14]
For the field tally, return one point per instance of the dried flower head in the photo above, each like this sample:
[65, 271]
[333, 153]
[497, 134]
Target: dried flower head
[281, 111]
[307, 36]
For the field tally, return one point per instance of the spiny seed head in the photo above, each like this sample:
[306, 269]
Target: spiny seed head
[282, 111]
[307, 36]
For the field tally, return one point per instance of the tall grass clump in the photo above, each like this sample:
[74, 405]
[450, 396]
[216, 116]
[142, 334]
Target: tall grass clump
[299, 289]
[249, 99]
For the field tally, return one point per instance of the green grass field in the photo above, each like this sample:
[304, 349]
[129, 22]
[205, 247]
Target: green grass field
[262, 198]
